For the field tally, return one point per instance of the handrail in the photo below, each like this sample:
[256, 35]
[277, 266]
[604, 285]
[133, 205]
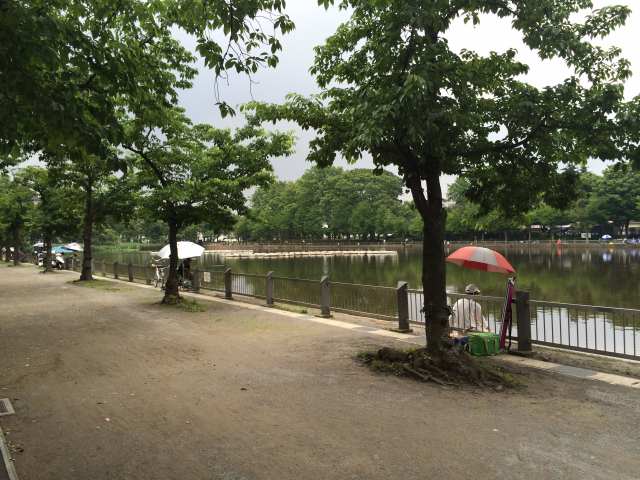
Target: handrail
[420, 291]
[578, 305]
[295, 279]
[385, 287]
[462, 295]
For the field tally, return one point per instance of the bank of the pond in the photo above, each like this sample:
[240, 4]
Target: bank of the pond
[598, 275]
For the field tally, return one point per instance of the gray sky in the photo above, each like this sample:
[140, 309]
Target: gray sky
[314, 25]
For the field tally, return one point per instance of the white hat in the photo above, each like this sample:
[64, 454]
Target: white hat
[472, 289]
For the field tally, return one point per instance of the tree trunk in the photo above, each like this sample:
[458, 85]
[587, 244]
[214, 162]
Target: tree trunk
[47, 255]
[87, 233]
[436, 310]
[171, 293]
[16, 245]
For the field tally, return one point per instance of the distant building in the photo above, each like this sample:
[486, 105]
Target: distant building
[634, 227]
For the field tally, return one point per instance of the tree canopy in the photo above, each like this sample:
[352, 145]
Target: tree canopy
[73, 72]
[56, 210]
[393, 87]
[189, 174]
[69, 67]
[16, 205]
[329, 203]
[602, 204]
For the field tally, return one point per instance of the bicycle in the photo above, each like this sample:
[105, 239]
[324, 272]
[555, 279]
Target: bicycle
[160, 276]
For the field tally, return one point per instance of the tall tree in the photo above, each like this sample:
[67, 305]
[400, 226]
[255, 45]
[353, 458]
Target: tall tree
[616, 198]
[67, 66]
[57, 210]
[71, 68]
[394, 87]
[190, 174]
[105, 188]
[16, 203]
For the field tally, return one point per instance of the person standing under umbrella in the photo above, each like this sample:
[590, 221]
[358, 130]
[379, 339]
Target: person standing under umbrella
[467, 313]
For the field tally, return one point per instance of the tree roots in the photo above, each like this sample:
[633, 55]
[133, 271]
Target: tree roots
[451, 368]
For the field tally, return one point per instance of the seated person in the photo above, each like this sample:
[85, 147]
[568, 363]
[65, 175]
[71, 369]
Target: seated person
[467, 313]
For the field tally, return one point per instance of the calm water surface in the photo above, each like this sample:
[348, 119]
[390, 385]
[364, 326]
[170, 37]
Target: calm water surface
[599, 275]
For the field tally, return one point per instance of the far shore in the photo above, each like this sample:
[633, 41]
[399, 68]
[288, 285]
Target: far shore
[334, 248]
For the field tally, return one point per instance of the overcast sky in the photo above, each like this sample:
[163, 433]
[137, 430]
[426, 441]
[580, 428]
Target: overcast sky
[314, 25]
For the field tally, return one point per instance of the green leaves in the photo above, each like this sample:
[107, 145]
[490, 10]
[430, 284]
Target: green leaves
[394, 89]
[70, 68]
[197, 173]
[16, 202]
[57, 206]
[329, 202]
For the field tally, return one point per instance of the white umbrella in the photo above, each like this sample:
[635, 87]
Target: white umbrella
[76, 247]
[185, 250]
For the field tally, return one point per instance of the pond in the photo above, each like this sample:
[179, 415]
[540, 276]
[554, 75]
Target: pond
[592, 275]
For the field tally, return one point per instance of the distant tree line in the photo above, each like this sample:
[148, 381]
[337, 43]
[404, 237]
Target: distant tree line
[39, 204]
[337, 204]
[330, 203]
[602, 204]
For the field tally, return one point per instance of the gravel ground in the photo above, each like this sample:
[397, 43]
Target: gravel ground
[107, 384]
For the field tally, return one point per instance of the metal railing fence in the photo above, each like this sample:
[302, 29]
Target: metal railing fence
[364, 299]
[247, 284]
[488, 318]
[299, 291]
[604, 330]
[211, 280]
[595, 329]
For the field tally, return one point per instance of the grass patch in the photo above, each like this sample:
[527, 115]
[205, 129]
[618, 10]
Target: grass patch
[453, 368]
[191, 306]
[96, 284]
[186, 305]
[289, 308]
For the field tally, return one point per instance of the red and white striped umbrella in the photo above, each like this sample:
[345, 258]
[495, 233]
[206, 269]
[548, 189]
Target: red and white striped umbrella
[480, 258]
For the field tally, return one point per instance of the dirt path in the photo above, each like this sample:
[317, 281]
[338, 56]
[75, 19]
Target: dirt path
[110, 385]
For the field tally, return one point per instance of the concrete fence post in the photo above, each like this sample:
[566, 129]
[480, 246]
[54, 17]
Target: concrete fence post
[402, 292]
[523, 321]
[227, 284]
[325, 297]
[115, 270]
[196, 280]
[269, 289]
[130, 271]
